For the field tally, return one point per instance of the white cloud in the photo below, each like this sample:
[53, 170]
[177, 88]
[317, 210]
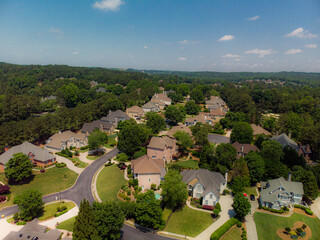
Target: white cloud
[260, 52]
[145, 47]
[301, 33]
[226, 38]
[311, 45]
[229, 55]
[57, 32]
[75, 53]
[108, 5]
[293, 51]
[183, 42]
[182, 58]
[254, 18]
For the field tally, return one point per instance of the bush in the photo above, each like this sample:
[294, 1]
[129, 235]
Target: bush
[42, 170]
[288, 229]
[216, 212]
[62, 208]
[285, 208]
[129, 169]
[225, 192]
[304, 226]
[21, 223]
[122, 157]
[4, 189]
[218, 206]
[16, 216]
[299, 230]
[195, 154]
[224, 228]
[133, 182]
[61, 165]
[60, 213]
[239, 224]
[277, 211]
[153, 186]
[108, 164]
[128, 192]
[309, 212]
[2, 198]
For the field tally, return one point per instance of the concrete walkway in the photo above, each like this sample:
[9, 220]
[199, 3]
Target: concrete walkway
[250, 223]
[315, 207]
[197, 209]
[226, 213]
[69, 163]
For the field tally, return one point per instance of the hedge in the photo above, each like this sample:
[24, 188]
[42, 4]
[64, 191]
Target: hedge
[224, 228]
[60, 213]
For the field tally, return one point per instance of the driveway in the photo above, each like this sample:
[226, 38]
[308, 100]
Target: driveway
[315, 207]
[226, 213]
[250, 223]
[69, 163]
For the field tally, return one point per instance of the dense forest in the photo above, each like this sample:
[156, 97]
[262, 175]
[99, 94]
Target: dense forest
[27, 114]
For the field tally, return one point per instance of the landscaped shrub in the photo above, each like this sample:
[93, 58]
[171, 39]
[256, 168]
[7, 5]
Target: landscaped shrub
[288, 229]
[225, 192]
[218, 206]
[133, 182]
[304, 226]
[42, 170]
[16, 216]
[302, 234]
[2, 198]
[60, 213]
[61, 165]
[4, 189]
[108, 164]
[129, 169]
[21, 223]
[216, 212]
[122, 157]
[62, 208]
[239, 224]
[153, 186]
[299, 230]
[309, 212]
[195, 154]
[277, 211]
[128, 192]
[223, 229]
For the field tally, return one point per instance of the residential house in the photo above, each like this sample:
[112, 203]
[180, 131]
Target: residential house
[34, 231]
[159, 103]
[106, 127]
[50, 98]
[115, 117]
[278, 193]
[93, 83]
[217, 114]
[180, 127]
[148, 171]
[303, 150]
[243, 149]
[67, 139]
[38, 156]
[216, 103]
[217, 138]
[202, 118]
[162, 148]
[257, 130]
[150, 107]
[135, 112]
[202, 183]
[162, 97]
[100, 89]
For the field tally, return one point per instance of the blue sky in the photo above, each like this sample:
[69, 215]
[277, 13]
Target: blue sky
[201, 35]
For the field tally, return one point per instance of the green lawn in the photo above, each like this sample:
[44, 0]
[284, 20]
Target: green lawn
[166, 214]
[267, 225]
[109, 183]
[190, 164]
[81, 164]
[53, 180]
[188, 222]
[67, 225]
[111, 140]
[233, 234]
[93, 157]
[82, 151]
[51, 209]
[250, 190]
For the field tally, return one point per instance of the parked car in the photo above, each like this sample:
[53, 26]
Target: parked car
[252, 198]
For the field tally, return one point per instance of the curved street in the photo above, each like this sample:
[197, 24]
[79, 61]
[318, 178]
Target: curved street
[82, 189]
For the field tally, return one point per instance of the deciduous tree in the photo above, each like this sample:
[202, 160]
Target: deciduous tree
[30, 204]
[241, 205]
[18, 168]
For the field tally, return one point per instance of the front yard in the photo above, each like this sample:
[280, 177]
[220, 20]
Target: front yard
[188, 222]
[53, 180]
[233, 234]
[109, 182]
[250, 191]
[67, 224]
[267, 225]
[111, 141]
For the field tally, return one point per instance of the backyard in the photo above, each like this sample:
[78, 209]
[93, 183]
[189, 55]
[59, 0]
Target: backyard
[188, 222]
[267, 225]
[233, 234]
[53, 180]
[250, 191]
[189, 164]
[109, 183]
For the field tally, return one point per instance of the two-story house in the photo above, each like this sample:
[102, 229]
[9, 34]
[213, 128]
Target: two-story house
[243, 149]
[148, 171]
[106, 127]
[38, 156]
[161, 97]
[162, 148]
[202, 118]
[206, 185]
[278, 193]
[150, 107]
[135, 112]
[115, 117]
[216, 103]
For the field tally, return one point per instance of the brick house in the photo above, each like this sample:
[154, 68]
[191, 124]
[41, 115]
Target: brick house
[162, 148]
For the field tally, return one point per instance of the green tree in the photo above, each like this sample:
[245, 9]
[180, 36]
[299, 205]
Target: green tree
[174, 190]
[174, 114]
[256, 166]
[275, 169]
[132, 137]
[109, 220]
[184, 140]
[241, 205]
[225, 154]
[85, 225]
[200, 133]
[242, 132]
[148, 211]
[271, 150]
[197, 96]
[155, 122]
[30, 204]
[292, 158]
[71, 95]
[239, 183]
[97, 139]
[217, 128]
[240, 168]
[192, 108]
[18, 168]
[309, 182]
[291, 122]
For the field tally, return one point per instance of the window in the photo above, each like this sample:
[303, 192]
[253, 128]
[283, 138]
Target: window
[210, 196]
[206, 202]
[154, 157]
[149, 179]
[198, 187]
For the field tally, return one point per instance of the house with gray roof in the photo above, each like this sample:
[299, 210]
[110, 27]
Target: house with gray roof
[217, 138]
[34, 231]
[284, 140]
[38, 156]
[150, 107]
[115, 117]
[106, 127]
[278, 193]
[216, 103]
[205, 184]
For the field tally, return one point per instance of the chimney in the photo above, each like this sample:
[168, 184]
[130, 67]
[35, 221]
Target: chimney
[226, 178]
[289, 176]
[6, 148]
[242, 148]
[289, 134]
[109, 111]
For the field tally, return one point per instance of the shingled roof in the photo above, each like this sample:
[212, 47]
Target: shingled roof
[57, 139]
[161, 142]
[284, 140]
[146, 165]
[259, 130]
[180, 127]
[26, 148]
[113, 116]
[244, 148]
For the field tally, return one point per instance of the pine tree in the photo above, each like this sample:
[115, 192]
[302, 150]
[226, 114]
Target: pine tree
[85, 224]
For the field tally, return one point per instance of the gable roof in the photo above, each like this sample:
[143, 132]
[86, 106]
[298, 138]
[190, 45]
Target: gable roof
[161, 142]
[135, 109]
[217, 112]
[284, 140]
[211, 181]
[150, 105]
[26, 148]
[57, 139]
[89, 127]
[217, 138]
[244, 148]
[202, 118]
[145, 164]
[214, 100]
[112, 116]
[270, 194]
[180, 127]
[259, 130]
[161, 96]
